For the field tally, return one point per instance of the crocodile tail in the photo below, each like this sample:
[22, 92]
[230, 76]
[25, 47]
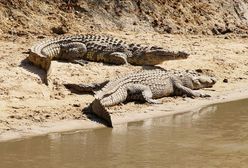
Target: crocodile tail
[100, 111]
[81, 88]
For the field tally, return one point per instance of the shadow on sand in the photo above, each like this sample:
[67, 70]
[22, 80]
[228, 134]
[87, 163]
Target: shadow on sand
[27, 65]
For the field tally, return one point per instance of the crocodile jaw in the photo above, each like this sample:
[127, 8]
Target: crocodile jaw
[154, 57]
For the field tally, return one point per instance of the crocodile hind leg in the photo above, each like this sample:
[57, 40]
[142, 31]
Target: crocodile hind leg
[74, 52]
[115, 98]
[121, 95]
[145, 91]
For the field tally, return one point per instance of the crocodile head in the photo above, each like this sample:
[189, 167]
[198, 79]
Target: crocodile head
[202, 81]
[155, 56]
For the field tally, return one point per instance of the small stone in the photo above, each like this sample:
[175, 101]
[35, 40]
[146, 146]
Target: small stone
[59, 30]
[107, 7]
[47, 116]
[12, 116]
[76, 105]
[225, 80]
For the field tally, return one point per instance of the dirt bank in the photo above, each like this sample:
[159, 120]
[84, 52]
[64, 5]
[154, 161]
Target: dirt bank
[29, 107]
[32, 18]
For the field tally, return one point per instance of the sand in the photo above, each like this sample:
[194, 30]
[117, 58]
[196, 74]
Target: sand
[29, 108]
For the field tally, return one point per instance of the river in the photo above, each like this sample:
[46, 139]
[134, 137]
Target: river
[215, 136]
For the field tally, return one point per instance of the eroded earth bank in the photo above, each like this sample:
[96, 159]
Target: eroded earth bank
[214, 33]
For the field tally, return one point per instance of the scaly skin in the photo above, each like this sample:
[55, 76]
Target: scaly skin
[149, 85]
[153, 84]
[98, 48]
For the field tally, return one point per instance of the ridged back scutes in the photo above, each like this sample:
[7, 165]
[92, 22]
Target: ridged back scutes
[51, 48]
[149, 77]
[138, 48]
[75, 38]
[43, 52]
[114, 85]
[57, 40]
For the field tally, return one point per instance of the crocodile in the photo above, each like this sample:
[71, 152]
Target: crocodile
[147, 85]
[99, 48]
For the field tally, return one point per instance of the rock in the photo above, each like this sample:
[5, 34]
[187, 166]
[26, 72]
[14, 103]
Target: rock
[225, 80]
[59, 30]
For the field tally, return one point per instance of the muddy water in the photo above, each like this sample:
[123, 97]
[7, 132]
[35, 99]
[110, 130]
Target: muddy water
[216, 136]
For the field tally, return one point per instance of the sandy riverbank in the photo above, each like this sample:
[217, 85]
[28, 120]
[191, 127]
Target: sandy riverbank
[28, 107]
[153, 111]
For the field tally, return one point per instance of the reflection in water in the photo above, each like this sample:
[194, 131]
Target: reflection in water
[215, 136]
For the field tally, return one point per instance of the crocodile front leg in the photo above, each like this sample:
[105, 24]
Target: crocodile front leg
[119, 55]
[189, 92]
